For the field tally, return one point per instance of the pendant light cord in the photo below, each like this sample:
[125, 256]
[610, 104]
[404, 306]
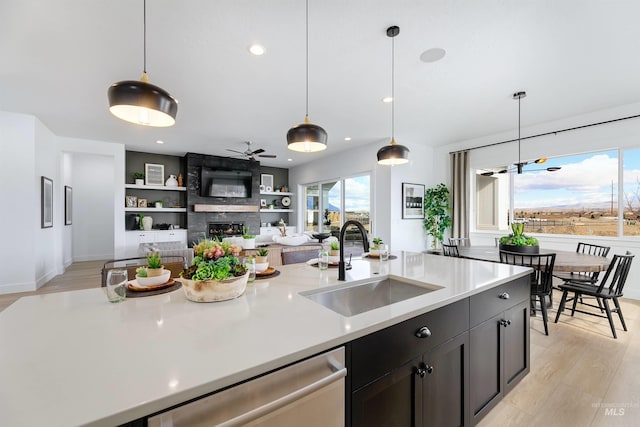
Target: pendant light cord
[519, 99]
[307, 58]
[144, 37]
[393, 92]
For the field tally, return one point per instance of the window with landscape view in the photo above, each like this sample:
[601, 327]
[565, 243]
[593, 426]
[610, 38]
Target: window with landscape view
[582, 198]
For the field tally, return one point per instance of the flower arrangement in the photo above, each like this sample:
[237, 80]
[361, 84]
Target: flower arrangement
[214, 261]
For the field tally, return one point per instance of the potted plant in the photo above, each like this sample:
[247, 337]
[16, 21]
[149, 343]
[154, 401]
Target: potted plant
[436, 214]
[261, 256]
[334, 249]
[215, 274]
[517, 241]
[138, 178]
[154, 264]
[159, 203]
[249, 240]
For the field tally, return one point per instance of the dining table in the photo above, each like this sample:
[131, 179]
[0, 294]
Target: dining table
[566, 261]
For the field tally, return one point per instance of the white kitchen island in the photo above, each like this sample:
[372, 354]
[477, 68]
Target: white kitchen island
[72, 358]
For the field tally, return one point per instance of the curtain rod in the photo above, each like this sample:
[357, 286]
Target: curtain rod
[548, 133]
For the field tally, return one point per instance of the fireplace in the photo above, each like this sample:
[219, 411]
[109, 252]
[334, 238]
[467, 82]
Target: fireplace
[224, 229]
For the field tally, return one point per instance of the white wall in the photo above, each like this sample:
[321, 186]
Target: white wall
[386, 182]
[66, 166]
[93, 193]
[622, 134]
[20, 193]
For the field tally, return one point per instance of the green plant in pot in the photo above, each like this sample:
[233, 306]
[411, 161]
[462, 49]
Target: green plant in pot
[154, 264]
[517, 241]
[261, 256]
[138, 178]
[249, 240]
[334, 249]
[436, 214]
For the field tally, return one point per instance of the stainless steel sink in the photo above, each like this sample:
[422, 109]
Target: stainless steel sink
[358, 298]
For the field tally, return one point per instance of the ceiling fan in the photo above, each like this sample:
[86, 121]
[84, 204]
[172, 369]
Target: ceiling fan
[249, 154]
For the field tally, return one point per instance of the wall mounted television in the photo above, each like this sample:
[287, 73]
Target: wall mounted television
[225, 183]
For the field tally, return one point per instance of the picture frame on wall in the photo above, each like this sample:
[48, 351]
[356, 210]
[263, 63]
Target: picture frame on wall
[153, 174]
[412, 201]
[46, 202]
[68, 205]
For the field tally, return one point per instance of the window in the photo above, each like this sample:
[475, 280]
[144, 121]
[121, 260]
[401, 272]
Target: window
[579, 199]
[329, 204]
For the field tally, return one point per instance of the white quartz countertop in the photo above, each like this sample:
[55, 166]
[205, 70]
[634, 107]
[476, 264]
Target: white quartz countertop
[72, 358]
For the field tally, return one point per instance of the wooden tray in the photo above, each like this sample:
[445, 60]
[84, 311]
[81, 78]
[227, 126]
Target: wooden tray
[139, 294]
[133, 286]
[268, 273]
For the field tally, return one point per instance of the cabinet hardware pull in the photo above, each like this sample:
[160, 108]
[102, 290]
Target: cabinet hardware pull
[505, 323]
[429, 368]
[503, 295]
[423, 332]
[421, 371]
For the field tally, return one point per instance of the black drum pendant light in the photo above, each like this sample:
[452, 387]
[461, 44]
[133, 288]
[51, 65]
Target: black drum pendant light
[307, 137]
[141, 102]
[394, 153]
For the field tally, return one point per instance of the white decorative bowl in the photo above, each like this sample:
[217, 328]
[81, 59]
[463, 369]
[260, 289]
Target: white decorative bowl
[213, 290]
[157, 280]
[261, 267]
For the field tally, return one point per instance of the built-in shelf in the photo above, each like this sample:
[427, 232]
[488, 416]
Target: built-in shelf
[276, 210]
[275, 193]
[225, 208]
[155, 187]
[155, 209]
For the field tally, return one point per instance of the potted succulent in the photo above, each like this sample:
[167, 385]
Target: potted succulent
[261, 256]
[215, 274]
[436, 214]
[517, 241]
[154, 264]
[138, 178]
[249, 240]
[334, 249]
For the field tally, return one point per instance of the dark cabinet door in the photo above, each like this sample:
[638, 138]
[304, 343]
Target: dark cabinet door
[393, 400]
[485, 366]
[516, 345]
[446, 384]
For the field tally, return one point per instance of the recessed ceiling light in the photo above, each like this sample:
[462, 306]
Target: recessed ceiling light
[387, 99]
[257, 49]
[432, 55]
[289, 160]
[159, 142]
[348, 138]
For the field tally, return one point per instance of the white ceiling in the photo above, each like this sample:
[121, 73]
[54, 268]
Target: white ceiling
[58, 58]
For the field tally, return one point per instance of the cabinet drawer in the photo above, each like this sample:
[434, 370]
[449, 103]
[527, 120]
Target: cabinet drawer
[375, 354]
[489, 303]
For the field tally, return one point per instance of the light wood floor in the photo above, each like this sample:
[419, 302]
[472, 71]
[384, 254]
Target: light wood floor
[578, 372]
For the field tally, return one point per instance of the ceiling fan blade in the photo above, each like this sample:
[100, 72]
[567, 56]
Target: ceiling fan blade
[258, 151]
[235, 151]
[271, 156]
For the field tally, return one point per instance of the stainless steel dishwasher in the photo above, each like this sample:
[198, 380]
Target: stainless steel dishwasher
[309, 393]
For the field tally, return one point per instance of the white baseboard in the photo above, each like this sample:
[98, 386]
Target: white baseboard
[95, 257]
[12, 288]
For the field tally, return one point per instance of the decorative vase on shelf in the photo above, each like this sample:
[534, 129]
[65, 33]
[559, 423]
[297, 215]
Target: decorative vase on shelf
[147, 222]
[172, 181]
[180, 180]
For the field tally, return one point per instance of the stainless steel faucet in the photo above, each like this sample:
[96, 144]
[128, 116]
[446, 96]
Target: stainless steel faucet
[365, 244]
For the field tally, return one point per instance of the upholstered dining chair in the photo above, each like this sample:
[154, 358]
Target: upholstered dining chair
[460, 241]
[541, 277]
[609, 288]
[294, 257]
[450, 250]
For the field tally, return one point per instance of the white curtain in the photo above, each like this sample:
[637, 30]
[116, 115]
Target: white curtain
[460, 194]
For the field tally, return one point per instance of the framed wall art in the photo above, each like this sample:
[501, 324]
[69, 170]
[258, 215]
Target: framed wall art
[153, 174]
[68, 205]
[46, 202]
[412, 201]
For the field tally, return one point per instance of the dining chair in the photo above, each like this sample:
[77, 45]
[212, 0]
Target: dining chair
[609, 288]
[582, 276]
[460, 241]
[174, 263]
[294, 257]
[450, 250]
[541, 277]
